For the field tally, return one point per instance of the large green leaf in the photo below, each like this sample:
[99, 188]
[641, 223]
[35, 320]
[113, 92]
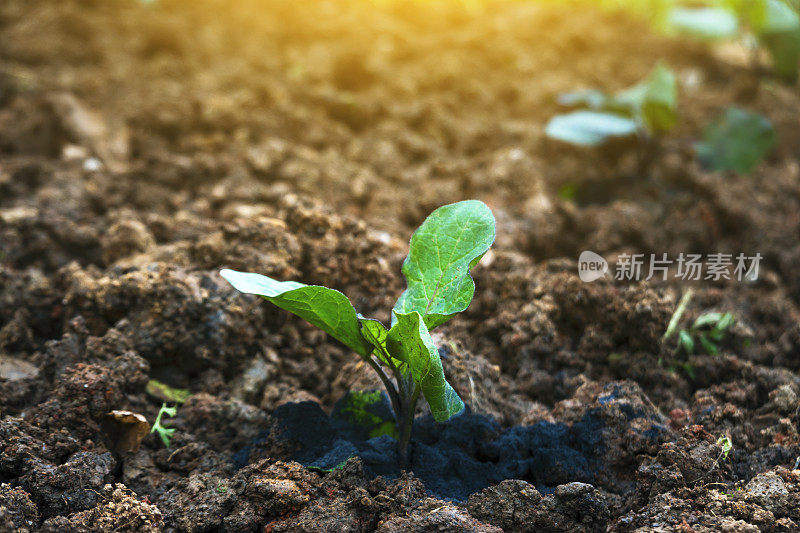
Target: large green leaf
[737, 141]
[589, 128]
[410, 341]
[711, 23]
[328, 309]
[442, 252]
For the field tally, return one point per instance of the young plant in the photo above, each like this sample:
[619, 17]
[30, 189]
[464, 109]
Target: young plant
[164, 433]
[442, 251]
[771, 24]
[738, 141]
[646, 109]
[708, 330]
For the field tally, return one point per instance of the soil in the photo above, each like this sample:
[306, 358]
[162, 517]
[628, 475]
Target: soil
[144, 146]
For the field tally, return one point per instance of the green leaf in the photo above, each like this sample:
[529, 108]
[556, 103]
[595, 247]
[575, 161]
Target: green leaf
[686, 341]
[779, 18]
[375, 333]
[442, 251]
[589, 128]
[707, 319]
[726, 321]
[591, 98]
[165, 393]
[708, 345]
[710, 23]
[328, 309]
[410, 341]
[652, 102]
[738, 141]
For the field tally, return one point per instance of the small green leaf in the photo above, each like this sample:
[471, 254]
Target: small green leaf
[725, 321]
[442, 251]
[686, 341]
[708, 345]
[589, 128]
[706, 320]
[165, 393]
[410, 341]
[591, 98]
[710, 23]
[652, 102]
[328, 309]
[376, 333]
[738, 141]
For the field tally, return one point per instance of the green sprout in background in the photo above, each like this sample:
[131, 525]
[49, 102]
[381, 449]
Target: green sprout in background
[443, 250]
[707, 331]
[646, 109]
[771, 24]
[737, 141]
[164, 433]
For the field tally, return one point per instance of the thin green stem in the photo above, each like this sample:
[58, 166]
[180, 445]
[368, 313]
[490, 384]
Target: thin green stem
[390, 388]
[407, 424]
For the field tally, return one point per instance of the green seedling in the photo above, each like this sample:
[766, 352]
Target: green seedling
[646, 109]
[164, 433]
[725, 442]
[707, 331]
[442, 251]
[771, 24]
[737, 141]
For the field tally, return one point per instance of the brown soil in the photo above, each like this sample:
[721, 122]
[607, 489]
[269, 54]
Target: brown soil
[145, 146]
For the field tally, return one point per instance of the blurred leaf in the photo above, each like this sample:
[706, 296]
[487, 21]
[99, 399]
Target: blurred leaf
[165, 393]
[711, 23]
[654, 101]
[686, 341]
[707, 319]
[708, 345]
[779, 18]
[737, 141]
[591, 98]
[589, 128]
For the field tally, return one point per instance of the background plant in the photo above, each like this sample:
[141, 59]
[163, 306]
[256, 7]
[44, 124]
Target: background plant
[645, 109]
[737, 140]
[773, 25]
[442, 251]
